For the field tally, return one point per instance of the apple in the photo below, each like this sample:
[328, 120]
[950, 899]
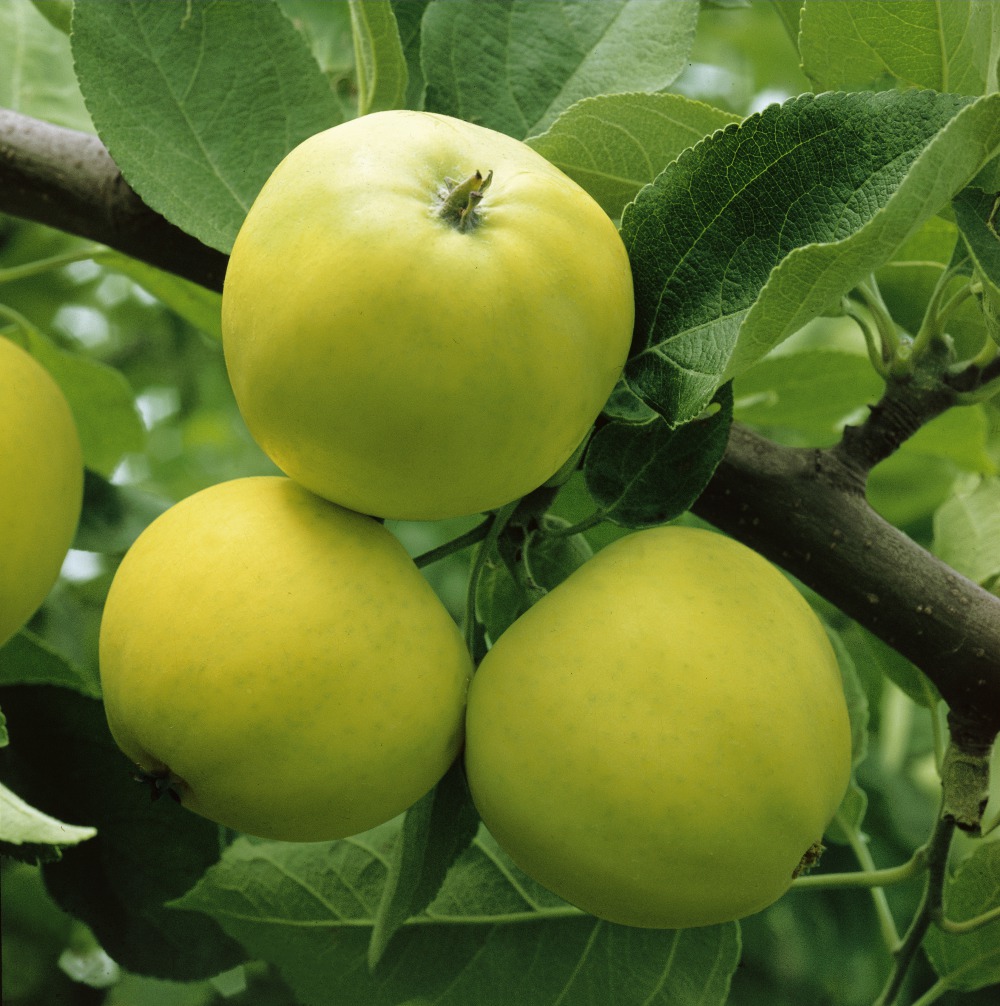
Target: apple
[663, 738]
[41, 485]
[279, 664]
[422, 317]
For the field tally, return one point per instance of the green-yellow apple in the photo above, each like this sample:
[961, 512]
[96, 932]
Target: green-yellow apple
[662, 739]
[41, 485]
[280, 664]
[413, 340]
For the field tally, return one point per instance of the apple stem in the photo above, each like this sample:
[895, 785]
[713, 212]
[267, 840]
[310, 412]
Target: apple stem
[460, 199]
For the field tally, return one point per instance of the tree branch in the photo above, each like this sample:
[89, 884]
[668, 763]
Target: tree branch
[803, 509]
[67, 179]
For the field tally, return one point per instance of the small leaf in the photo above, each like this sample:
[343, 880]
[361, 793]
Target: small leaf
[435, 832]
[643, 474]
[970, 961]
[198, 102]
[967, 532]
[947, 45]
[614, 144]
[514, 65]
[378, 56]
[30, 835]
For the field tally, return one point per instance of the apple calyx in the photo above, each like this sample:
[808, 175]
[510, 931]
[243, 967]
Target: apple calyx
[460, 199]
[160, 782]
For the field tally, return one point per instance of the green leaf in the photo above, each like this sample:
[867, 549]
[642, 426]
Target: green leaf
[309, 910]
[644, 474]
[27, 659]
[198, 102]
[38, 77]
[514, 65]
[614, 144]
[812, 393]
[948, 45]
[100, 399]
[378, 55]
[63, 760]
[766, 225]
[59, 13]
[970, 961]
[32, 836]
[967, 532]
[435, 832]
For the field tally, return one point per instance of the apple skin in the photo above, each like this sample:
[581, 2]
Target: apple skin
[282, 662]
[662, 738]
[41, 485]
[404, 368]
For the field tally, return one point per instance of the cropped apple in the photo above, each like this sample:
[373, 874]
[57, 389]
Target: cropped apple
[663, 738]
[279, 664]
[41, 485]
[422, 317]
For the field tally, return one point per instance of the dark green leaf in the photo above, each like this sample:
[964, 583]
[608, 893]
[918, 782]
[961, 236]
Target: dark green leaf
[514, 65]
[435, 832]
[766, 225]
[63, 760]
[646, 473]
[198, 102]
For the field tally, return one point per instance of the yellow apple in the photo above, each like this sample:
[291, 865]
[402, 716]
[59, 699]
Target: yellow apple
[663, 738]
[41, 485]
[411, 342]
[280, 663]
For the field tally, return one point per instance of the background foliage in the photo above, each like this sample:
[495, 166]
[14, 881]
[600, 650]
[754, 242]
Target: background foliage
[744, 245]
